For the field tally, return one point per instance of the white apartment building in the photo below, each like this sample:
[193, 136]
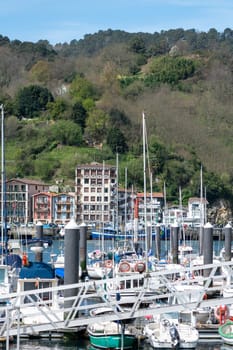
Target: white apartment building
[95, 193]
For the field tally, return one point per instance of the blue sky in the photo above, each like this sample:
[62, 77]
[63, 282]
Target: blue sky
[60, 21]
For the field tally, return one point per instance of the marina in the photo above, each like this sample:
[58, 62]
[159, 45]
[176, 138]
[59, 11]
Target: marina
[69, 313]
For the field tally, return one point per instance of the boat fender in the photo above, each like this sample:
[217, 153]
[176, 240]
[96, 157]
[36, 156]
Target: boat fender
[205, 296]
[124, 266]
[140, 266]
[25, 260]
[108, 264]
[222, 313]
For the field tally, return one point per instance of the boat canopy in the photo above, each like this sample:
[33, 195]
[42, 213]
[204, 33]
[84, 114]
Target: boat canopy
[37, 270]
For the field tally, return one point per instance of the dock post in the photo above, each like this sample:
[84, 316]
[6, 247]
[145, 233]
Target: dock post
[71, 270]
[207, 247]
[39, 244]
[228, 236]
[174, 243]
[201, 240]
[83, 246]
[158, 242]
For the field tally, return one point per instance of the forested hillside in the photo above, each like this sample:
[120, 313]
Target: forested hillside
[82, 101]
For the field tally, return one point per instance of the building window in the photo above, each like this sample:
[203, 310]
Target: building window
[92, 189]
[106, 190]
[86, 189]
[99, 189]
[93, 181]
[86, 199]
[92, 199]
[86, 207]
[99, 181]
[86, 181]
[105, 199]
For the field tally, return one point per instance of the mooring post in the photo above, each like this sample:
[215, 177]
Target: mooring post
[71, 270]
[228, 236]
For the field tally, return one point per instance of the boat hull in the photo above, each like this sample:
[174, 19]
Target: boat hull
[113, 341]
[110, 335]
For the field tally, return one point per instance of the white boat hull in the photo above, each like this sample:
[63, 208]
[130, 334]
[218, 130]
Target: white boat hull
[164, 334]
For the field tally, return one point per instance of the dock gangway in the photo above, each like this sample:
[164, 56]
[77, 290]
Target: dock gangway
[67, 307]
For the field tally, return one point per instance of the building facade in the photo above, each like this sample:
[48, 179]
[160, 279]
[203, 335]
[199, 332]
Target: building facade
[63, 208]
[51, 207]
[95, 191]
[42, 207]
[19, 193]
[152, 208]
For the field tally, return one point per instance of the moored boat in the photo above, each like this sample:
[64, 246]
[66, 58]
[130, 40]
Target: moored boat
[110, 335]
[166, 334]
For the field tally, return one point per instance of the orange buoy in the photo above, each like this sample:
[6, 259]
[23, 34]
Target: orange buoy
[24, 260]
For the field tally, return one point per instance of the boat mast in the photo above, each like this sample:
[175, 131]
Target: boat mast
[102, 237]
[3, 194]
[144, 179]
[181, 215]
[125, 201]
[201, 215]
[117, 194]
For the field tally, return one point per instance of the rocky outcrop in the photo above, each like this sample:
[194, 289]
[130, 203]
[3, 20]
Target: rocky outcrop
[220, 213]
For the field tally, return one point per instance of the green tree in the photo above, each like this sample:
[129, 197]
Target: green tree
[116, 141]
[31, 100]
[79, 115]
[96, 126]
[57, 108]
[81, 89]
[66, 132]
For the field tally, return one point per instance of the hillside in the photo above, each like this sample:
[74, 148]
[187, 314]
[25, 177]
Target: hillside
[73, 103]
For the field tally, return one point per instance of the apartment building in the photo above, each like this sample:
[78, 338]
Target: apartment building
[63, 207]
[19, 193]
[95, 189]
[152, 207]
[50, 207]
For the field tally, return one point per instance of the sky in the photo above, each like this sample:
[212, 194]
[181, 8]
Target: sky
[60, 21]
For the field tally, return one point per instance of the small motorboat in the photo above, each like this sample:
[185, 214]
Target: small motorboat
[166, 334]
[110, 335]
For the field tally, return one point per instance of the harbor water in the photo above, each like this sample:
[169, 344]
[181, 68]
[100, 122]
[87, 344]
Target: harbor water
[81, 342]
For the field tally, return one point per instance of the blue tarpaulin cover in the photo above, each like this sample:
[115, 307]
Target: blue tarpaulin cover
[59, 272]
[37, 270]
